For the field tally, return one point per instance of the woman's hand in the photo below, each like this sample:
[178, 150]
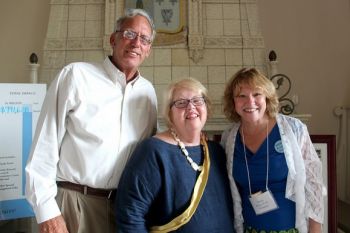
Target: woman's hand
[314, 227]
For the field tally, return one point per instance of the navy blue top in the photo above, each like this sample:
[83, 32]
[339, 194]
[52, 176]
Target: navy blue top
[157, 184]
[282, 218]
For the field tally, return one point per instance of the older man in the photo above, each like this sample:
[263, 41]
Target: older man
[91, 120]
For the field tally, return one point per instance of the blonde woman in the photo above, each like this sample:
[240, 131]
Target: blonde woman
[176, 181]
[274, 171]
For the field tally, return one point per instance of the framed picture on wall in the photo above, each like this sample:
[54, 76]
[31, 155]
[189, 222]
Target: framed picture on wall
[169, 18]
[326, 150]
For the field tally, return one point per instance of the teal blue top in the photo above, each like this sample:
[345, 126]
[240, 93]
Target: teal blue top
[157, 184]
[282, 218]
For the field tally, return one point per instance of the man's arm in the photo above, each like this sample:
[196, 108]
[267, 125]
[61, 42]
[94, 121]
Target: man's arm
[41, 167]
[54, 225]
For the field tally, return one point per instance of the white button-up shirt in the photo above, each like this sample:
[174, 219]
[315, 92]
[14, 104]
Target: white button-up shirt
[90, 122]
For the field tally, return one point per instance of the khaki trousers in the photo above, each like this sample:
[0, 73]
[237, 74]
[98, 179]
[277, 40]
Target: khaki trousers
[86, 213]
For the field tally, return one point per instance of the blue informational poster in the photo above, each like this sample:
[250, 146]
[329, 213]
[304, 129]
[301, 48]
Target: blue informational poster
[20, 105]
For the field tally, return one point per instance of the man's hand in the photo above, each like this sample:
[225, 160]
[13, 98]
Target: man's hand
[54, 225]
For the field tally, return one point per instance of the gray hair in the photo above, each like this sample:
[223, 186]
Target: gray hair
[131, 13]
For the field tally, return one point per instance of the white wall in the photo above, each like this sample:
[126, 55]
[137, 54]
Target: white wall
[311, 38]
[312, 42]
[23, 26]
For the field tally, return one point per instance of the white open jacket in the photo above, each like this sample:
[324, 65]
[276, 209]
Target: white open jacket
[304, 180]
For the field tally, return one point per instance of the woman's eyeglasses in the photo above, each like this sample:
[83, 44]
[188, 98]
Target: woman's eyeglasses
[183, 103]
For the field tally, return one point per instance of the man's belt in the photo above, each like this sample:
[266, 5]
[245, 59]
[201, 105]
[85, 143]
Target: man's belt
[86, 190]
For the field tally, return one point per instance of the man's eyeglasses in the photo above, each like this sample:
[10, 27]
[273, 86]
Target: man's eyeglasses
[183, 103]
[131, 35]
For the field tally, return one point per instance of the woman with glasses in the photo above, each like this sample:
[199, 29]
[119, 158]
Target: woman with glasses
[175, 181]
[275, 173]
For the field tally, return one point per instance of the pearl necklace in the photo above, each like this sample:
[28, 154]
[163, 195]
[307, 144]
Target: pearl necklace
[194, 165]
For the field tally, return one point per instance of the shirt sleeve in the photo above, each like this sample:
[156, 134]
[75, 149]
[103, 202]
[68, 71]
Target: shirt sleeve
[314, 188]
[136, 191]
[154, 111]
[41, 168]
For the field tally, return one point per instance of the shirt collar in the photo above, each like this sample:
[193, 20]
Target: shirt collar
[116, 75]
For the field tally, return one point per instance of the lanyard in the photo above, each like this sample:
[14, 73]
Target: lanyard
[267, 159]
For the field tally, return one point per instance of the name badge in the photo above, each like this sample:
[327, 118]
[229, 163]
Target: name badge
[263, 202]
